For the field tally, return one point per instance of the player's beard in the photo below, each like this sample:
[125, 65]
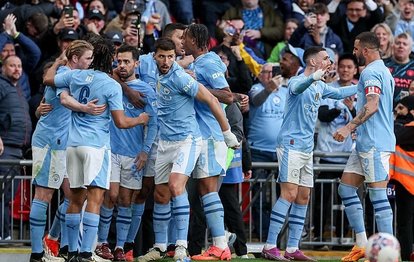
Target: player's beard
[361, 60]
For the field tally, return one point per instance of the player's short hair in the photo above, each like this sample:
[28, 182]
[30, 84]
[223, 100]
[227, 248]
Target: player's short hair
[312, 51]
[78, 48]
[369, 40]
[164, 44]
[170, 28]
[200, 34]
[127, 48]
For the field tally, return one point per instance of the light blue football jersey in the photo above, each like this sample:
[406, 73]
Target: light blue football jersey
[147, 69]
[53, 128]
[84, 86]
[176, 93]
[265, 121]
[131, 141]
[210, 72]
[378, 131]
[301, 111]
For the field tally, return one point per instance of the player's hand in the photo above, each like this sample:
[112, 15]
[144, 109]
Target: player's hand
[349, 102]
[136, 98]
[191, 73]
[247, 175]
[253, 34]
[319, 74]
[144, 117]
[43, 108]
[231, 139]
[93, 109]
[341, 134]
[1, 147]
[141, 160]
[243, 100]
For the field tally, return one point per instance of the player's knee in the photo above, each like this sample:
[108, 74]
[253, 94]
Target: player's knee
[176, 189]
[345, 190]
[162, 196]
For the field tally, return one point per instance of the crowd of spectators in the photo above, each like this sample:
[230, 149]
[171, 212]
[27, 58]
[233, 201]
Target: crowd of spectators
[256, 39]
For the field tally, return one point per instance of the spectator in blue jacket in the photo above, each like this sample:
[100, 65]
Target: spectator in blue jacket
[28, 51]
[315, 32]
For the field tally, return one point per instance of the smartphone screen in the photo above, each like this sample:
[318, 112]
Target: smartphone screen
[276, 71]
[68, 10]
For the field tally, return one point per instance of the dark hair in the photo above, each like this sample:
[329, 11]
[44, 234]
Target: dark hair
[222, 49]
[39, 21]
[88, 6]
[164, 44]
[348, 57]
[311, 51]
[200, 34]
[127, 48]
[369, 40]
[170, 28]
[319, 8]
[102, 53]
[292, 20]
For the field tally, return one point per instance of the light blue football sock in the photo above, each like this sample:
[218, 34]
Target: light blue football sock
[37, 224]
[137, 212]
[297, 217]
[382, 208]
[90, 222]
[105, 218]
[123, 222]
[277, 219]
[353, 207]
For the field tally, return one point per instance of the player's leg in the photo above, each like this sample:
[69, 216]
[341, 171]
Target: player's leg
[297, 214]
[378, 164]
[351, 179]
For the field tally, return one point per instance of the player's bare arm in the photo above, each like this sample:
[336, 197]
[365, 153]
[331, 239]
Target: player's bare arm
[369, 109]
[223, 95]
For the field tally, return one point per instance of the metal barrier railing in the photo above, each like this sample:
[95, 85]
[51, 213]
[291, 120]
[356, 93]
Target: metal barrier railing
[326, 237]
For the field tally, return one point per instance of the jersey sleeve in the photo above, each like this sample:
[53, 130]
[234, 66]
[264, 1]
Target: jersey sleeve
[114, 96]
[372, 83]
[214, 77]
[187, 84]
[62, 80]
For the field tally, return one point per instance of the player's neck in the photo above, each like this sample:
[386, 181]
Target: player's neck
[199, 52]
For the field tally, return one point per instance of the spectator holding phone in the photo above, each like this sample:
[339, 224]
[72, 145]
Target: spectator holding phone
[315, 32]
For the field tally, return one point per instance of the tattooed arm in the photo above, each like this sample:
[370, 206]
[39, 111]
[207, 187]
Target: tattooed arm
[370, 108]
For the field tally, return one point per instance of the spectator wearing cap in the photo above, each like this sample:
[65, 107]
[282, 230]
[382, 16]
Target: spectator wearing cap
[116, 38]
[267, 105]
[66, 21]
[315, 32]
[98, 5]
[152, 12]
[65, 37]
[291, 62]
[401, 176]
[95, 21]
[332, 115]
